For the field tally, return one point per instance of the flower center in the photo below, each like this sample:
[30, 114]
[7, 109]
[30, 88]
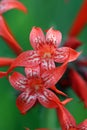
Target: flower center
[47, 55]
[36, 84]
[46, 51]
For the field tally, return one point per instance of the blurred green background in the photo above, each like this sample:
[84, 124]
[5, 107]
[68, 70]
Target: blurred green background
[42, 13]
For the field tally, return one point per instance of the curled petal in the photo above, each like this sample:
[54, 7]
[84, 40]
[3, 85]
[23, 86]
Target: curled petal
[47, 64]
[57, 91]
[18, 81]
[67, 121]
[11, 4]
[48, 99]
[32, 72]
[83, 125]
[66, 101]
[6, 61]
[53, 37]
[25, 101]
[72, 42]
[64, 53]
[51, 77]
[37, 37]
[6, 34]
[25, 59]
[79, 85]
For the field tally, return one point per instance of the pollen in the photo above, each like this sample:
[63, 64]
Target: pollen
[37, 87]
[47, 55]
[36, 84]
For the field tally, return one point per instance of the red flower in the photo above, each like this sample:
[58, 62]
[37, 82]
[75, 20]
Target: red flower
[80, 21]
[79, 85]
[67, 121]
[46, 51]
[5, 32]
[35, 86]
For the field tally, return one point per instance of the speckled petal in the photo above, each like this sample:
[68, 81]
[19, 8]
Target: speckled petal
[83, 125]
[51, 77]
[37, 37]
[53, 37]
[26, 59]
[32, 72]
[67, 121]
[64, 53]
[48, 99]
[25, 101]
[47, 64]
[18, 81]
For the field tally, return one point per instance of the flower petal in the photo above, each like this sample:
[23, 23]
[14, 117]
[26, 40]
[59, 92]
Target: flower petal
[48, 99]
[32, 72]
[26, 59]
[79, 85]
[66, 119]
[25, 101]
[64, 53]
[47, 64]
[51, 77]
[6, 34]
[53, 37]
[37, 37]
[83, 125]
[6, 61]
[11, 4]
[18, 81]
[72, 42]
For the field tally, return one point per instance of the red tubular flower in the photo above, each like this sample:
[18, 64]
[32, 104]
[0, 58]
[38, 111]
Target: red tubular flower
[5, 32]
[67, 121]
[79, 85]
[80, 21]
[35, 86]
[46, 51]
[2, 74]
[6, 61]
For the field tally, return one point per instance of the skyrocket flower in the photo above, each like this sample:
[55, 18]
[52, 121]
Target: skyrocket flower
[5, 32]
[46, 51]
[67, 121]
[35, 86]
